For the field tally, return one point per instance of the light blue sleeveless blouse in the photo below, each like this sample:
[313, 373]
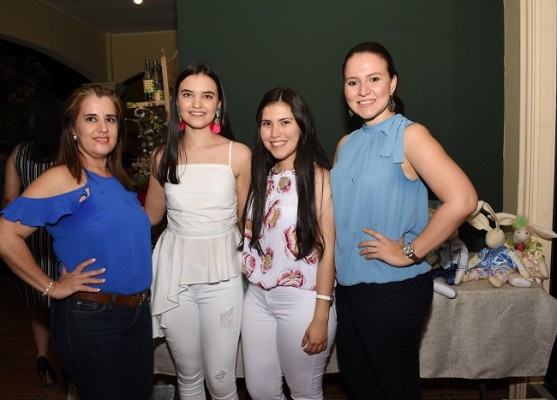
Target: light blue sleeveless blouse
[370, 190]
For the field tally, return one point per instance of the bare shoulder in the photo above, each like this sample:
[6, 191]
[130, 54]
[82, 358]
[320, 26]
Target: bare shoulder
[11, 157]
[157, 153]
[419, 143]
[54, 181]
[156, 156]
[241, 159]
[323, 188]
[240, 152]
[416, 131]
[339, 145]
[322, 177]
[342, 140]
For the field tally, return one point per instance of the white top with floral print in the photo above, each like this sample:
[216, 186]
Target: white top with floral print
[278, 265]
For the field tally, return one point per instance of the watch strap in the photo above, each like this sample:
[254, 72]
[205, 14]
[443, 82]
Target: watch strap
[415, 258]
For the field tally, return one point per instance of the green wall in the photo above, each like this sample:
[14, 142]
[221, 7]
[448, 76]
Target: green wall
[449, 55]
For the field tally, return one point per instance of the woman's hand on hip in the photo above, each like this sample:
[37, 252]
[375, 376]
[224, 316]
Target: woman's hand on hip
[77, 280]
[384, 249]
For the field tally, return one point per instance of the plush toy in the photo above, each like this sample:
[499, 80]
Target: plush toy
[525, 245]
[496, 262]
[445, 261]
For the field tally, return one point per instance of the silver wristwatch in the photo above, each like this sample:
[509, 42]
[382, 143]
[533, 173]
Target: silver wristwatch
[408, 251]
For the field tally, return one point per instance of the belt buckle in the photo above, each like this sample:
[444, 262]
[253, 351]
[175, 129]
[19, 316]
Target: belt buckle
[137, 299]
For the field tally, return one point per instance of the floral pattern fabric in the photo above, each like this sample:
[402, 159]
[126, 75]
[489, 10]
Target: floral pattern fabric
[277, 266]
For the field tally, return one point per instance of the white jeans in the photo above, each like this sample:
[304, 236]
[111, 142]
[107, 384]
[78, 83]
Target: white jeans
[203, 334]
[273, 326]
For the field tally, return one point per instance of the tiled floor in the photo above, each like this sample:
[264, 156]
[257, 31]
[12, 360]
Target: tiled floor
[19, 378]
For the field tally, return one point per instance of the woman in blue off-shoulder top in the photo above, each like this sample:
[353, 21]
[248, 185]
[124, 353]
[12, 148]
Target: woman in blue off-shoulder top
[101, 323]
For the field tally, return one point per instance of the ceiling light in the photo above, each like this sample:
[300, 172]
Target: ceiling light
[138, 2]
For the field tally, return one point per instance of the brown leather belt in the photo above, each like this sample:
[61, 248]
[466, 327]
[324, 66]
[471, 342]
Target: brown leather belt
[131, 300]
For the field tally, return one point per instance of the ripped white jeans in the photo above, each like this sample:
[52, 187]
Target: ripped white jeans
[274, 324]
[203, 334]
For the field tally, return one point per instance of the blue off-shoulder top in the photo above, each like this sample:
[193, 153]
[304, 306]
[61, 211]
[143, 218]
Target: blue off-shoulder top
[100, 220]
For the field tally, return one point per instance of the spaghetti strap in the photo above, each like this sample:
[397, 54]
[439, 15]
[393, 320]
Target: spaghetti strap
[230, 154]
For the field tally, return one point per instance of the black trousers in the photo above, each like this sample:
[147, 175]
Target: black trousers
[378, 336]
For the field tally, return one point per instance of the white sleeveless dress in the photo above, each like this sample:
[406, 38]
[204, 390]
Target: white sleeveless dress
[200, 243]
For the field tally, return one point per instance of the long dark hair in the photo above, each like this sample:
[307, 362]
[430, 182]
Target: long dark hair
[69, 152]
[171, 146]
[379, 50]
[44, 126]
[309, 155]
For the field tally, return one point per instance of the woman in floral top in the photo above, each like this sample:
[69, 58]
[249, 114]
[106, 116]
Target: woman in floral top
[289, 323]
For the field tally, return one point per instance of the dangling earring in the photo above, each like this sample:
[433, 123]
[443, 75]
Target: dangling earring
[350, 113]
[74, 138]
[182, 125]
[392, 104]
[215, 125]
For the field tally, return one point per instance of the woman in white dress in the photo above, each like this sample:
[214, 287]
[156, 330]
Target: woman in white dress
[200, 178]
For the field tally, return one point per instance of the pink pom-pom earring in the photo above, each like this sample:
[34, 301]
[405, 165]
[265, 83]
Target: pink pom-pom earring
[182, 125]
[215, 125]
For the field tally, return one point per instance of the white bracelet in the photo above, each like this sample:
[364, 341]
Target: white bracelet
[45, 293]
[323, 297]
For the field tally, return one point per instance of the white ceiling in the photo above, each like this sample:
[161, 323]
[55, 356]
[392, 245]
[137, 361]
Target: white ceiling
[120, 16]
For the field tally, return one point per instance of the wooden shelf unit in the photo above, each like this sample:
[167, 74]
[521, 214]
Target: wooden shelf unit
[169, 67]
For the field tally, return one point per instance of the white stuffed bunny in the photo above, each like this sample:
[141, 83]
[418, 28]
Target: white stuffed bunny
[525, 245]
[496, 262]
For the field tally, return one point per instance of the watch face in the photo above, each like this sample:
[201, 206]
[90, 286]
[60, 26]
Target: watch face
[408, 250]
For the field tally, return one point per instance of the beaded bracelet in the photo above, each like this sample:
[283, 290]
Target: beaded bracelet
[45, 293]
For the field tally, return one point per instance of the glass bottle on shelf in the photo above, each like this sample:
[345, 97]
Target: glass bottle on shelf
[148, 82]
[157, 78]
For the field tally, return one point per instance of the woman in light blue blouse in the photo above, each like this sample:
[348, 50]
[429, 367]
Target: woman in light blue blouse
[101, 324]
[383, 229]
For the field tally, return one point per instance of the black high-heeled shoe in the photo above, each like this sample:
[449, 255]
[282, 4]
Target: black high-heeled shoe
[44, 367]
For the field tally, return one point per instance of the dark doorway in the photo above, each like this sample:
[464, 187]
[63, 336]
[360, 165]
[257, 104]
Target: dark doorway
[25, 73]
[550, 381]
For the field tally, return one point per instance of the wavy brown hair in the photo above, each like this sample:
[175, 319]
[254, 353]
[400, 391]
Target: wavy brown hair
[70, 155]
